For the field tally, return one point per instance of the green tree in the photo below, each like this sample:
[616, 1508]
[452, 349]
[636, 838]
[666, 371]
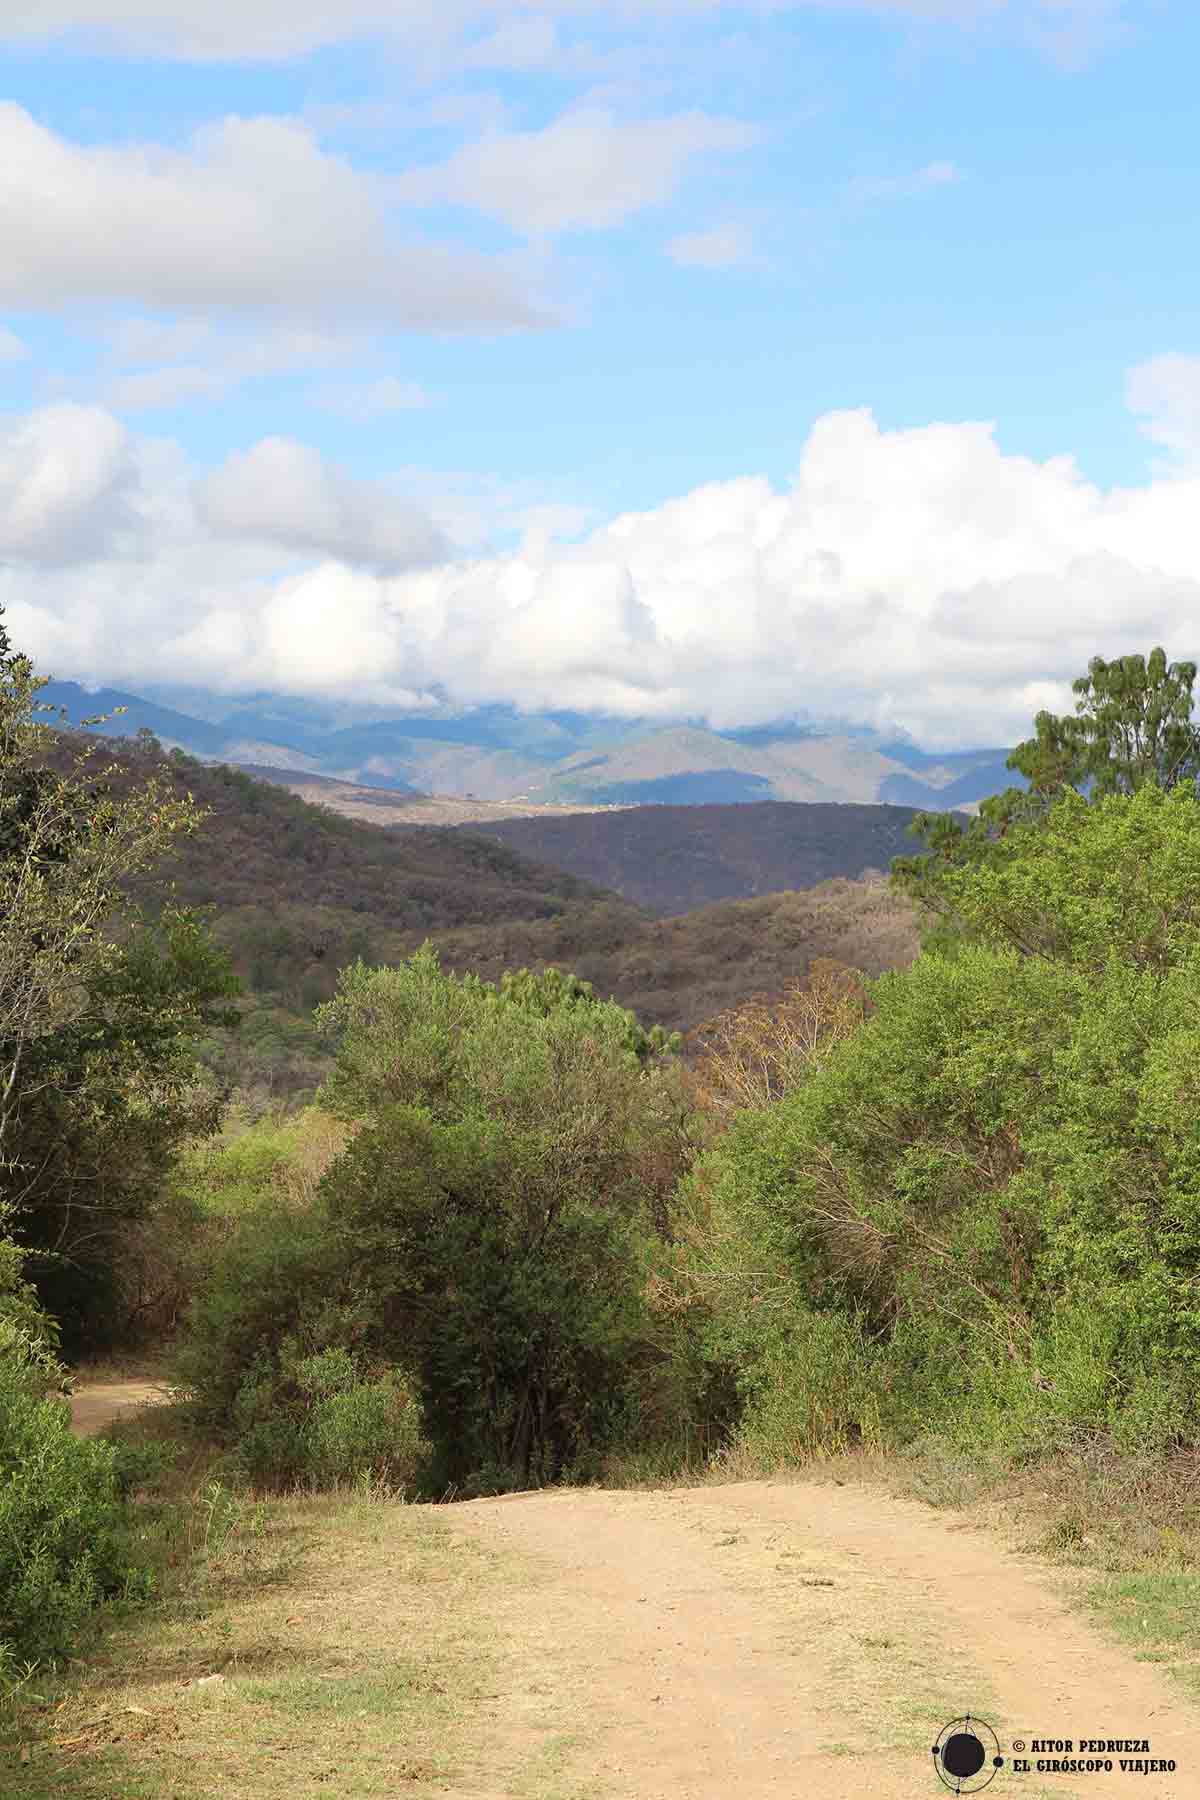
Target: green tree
[99, 1010]
[501, 1206]
[106, 1103]
[1132, 728]
[66, 847]
[994, 1184]
[549, 991]
[506, 1280]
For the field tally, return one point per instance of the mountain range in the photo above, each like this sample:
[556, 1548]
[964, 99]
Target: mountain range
[526, 761]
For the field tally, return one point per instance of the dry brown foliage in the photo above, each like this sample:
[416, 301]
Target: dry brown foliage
[756, 1053]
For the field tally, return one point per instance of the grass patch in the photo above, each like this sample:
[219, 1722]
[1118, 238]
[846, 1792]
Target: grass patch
[337, 1643]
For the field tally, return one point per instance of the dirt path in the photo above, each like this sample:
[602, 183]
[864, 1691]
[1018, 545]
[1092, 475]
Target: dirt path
[93, 1406]
[757, 1641]
[764, 1640]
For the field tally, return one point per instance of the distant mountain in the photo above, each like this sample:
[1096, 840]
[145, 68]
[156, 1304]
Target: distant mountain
[673, 859]
[497, 755]
[169, 726]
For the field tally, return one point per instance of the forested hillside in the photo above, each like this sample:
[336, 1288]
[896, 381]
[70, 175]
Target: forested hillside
[672, 859]
[296, 892]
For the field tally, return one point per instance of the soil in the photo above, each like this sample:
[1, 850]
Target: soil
[770, 1639]
[95, 1406]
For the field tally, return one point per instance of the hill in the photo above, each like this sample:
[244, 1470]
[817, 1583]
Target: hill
[672, 859]
[296, 892]
[496, 755]
[678, 972]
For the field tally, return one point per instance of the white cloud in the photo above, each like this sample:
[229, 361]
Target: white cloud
[221, 360]
[149, 390]
[254, 214]
[233, 30]
[285, 493]
[519, 43]
[1166, 389]
[917, 579]
[66, 479]
[12, 348]
[723, 247]
[587, 169]
[515, 34]
[230, 30]
[371, 399]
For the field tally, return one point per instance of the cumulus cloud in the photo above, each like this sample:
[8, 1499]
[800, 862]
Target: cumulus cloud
[723, 247]
[67, 475]
[285, 493]
[917, 579]
[587, 169]
[253, 214]
[12, 348]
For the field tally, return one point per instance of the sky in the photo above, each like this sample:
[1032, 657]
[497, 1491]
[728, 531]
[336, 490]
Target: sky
[666, 359]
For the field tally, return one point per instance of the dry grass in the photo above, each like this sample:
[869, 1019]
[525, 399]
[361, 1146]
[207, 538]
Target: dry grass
[337, 1644]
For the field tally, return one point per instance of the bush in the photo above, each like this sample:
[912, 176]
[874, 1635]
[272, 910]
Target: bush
[67, 1541]
[989, 1196]
[514, 1303]
[274, 1283]
[501, 1206]
[269, 1356]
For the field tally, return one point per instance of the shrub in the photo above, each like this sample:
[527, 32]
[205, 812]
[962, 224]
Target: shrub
[67, 1541]
[269, 1354]
[996, 1179]
[511, 1297]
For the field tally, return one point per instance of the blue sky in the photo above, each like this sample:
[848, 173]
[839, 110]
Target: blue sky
[331, 312]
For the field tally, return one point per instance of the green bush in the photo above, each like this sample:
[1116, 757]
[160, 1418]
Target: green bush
[514, 1303]
[981, 1217]
[274, 1287]
[503, 1207]
[269, 1359]
[367, 1427]
[67, 1538]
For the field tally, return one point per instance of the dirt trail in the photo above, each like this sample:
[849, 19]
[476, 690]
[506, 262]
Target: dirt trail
[95, 1405]
[772, 1640]
[764, 1640]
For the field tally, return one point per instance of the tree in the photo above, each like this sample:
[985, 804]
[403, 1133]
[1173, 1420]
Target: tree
[501, 1204]
[100, 1016]
[758, 1052]
[993, 1184]
[550, 991]
[106, 1103]
[1132, 728]
[66, 846]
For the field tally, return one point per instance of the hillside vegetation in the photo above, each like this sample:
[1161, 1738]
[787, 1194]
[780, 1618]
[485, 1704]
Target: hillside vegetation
[672, 859]
[679, 972]
[297, 892]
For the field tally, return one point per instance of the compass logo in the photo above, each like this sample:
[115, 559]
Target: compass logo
[967, 1755]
